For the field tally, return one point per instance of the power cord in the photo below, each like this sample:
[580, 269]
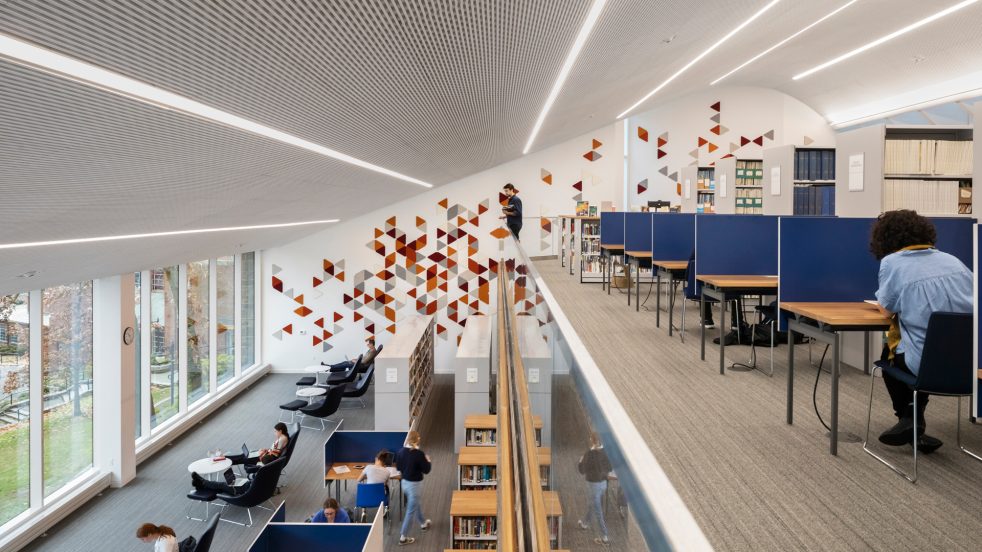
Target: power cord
[818, 374]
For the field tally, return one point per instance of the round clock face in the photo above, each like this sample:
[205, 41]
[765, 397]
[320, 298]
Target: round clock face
[128, 336]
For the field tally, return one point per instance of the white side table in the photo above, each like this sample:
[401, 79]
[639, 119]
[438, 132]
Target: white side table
[206, 467]
[310, 392]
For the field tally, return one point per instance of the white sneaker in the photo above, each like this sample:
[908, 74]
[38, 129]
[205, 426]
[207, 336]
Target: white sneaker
[406, 540]
[581, 524]
[426, 524]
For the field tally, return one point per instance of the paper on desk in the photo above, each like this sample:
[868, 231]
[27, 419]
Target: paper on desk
[872, 302]
[340, 469]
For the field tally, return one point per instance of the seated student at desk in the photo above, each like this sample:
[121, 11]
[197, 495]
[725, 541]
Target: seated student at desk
[379, 472]
[366, 358]
[332, 513]
[915, 281]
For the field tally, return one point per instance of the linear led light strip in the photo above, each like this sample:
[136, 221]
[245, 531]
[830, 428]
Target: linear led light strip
[699, 57]
[591, 20]
[162, 234]
[954, 97]
[24, 53]
[886, 38]
[785, 41]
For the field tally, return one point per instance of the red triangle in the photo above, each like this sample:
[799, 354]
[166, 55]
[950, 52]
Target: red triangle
[317, 340]
[744, 141]
[662, 142]
[288, 329]
[357, 316]
[759, 140]
[481, 209]
[338, 317]
[319, 322]
[715, 130]
[715, 106]
[702, 141]
[661, 154]
[578, 186]
[277, 284]
[317, 281]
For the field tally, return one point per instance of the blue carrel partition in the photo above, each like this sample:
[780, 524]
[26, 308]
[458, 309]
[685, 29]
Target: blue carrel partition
[279, 536]
[673, 236]
[612, 228]
[637, 231]
[360, 446]
[955, 237]
[736, 244]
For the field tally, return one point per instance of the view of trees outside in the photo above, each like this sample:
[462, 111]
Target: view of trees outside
[164, 370]
[137, 346]
[248, 324]
[225, 310]
[198, 362]
[66, 363]
[15, 366]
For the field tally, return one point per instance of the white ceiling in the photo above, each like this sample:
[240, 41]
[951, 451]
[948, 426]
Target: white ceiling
[435, 89]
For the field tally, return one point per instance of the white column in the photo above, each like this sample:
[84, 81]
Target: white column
[114, 378]
[237, 314]
[182, 334]
[259, 286]
[37, 400]
[212, 325]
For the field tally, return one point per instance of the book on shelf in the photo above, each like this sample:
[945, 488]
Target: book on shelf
[927, 157]
[481, 437]
[485, 477]
[749, 173]
[929, 197]
[814, 200]
[471, 527]
[814, 164]
[582, 208]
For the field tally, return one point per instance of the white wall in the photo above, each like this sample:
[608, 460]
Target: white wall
[350, 246]
[744, 113]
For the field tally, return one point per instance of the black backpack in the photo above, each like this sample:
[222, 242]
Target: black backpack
[187, 545]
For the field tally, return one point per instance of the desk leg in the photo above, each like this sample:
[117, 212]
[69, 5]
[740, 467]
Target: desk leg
[637, 300]
[866, 353]
[722, 327]
[629, 287]
[702, 327]
[658, 299]
[791, 339]
[671, 303]
[834, 438]
[610, 274]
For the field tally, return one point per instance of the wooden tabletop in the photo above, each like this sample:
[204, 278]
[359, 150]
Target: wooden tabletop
[612, 246]
[639, 254]
[474, 503]
[488, 456]
[553, 507]
[840, 314]
[490, 421]
[671, 265]
[354, 474]
[738, 281]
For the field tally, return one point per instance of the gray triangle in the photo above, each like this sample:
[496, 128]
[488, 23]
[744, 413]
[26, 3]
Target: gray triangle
[325, 346]
[808, 141]
[674, 176]
[664, 170]
[694, 153]
[340, 264]
[276, 270]
[278, 334]
[769, 135]
[715, 118]
[723, 130]
[289, 293]
[578, 197]
[733, 147]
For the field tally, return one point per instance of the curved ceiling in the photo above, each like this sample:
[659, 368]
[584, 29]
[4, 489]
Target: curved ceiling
[435, 89]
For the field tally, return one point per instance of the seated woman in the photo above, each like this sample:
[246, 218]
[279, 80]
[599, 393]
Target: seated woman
[281, 438]
[332, 513]
[381, 471]
[915, 281]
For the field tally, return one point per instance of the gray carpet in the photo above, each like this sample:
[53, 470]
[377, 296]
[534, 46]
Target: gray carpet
[753, 482]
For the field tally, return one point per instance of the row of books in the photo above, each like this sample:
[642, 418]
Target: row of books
[486, 526]
[481, 437]
[814, 200]
[749, 201]
[749, 173]
[929, 197]
[478, 475]
[814, 164]
[475, 545]
[705, 203]
[705, 180]
[933, 157]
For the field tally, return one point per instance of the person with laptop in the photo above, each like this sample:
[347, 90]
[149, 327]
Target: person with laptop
[281, 438]
[366, 358]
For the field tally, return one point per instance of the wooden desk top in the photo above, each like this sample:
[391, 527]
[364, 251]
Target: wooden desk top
[488, 456]
[490, 421]
[352, 475]
[672, 265]
[612, 246]
[840, 314]
[739, 281]
[639, 254]
[474, 503]
[553, 507]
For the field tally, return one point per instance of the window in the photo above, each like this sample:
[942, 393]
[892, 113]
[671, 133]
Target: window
[138, 355]
[199, 371]
[225, 325]
[15, 411]
[164, 380]
[66, 363]
[248, 329]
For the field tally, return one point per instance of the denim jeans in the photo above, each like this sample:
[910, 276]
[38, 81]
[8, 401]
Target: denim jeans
[595, 506]
[413, 490]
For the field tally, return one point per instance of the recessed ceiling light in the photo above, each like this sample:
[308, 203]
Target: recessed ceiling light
[785, 41]
[591, 20]
[885, 38]
[29, 55]
[700, 56]
[28, 274]
[670, 39]
[161, 234]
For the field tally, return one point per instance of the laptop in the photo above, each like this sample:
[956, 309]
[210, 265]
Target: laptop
[246, 453]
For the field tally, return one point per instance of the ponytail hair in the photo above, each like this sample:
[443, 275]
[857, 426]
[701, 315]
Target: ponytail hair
[149, 529]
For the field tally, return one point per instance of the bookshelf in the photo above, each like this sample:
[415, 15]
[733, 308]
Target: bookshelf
[482, 430]
[472, 374]
[474, 520]
[405, 381]
[705, 190]
[814, 182]
[477, 467]
[739, 186]
[928, 169]
[554, 518]
[588, 250]
[567, 224]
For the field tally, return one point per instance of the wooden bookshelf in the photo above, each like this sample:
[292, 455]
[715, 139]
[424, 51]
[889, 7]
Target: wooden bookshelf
[481, 430]
[404, 379]
[554, 518]
[477, 467]
[474, 520]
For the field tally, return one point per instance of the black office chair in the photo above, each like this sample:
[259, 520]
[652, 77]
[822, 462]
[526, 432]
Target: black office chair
[323, 409]
[357, 389]
[204, 542]
[292, 432]
[345, 377]
[946, 370]
[262, 488]
[306, 381]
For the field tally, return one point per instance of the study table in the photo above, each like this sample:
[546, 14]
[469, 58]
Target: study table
[725, 288]
[637, 257]
[353, 474]
[673, 270]
[824, 322]
[607, 252]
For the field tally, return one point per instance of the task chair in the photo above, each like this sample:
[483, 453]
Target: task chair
[370, 495]
[946, 370]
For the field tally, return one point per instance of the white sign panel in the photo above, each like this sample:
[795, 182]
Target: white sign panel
[722, 185]
[391, 375]
[856, 163]
[688, 188]
[776, 180]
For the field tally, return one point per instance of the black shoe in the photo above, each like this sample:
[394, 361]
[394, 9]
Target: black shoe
[728, 339]
[732, 338]
[928, 444]
[196, 480]
[902, 433]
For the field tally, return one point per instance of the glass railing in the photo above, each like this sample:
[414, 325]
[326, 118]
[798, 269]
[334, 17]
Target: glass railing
[581, 472]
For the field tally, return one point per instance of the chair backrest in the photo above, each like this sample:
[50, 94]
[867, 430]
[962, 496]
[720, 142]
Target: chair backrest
[328, 406]
[946, 362]
[204, 542]
[691, 289]
[360, 387]
[262, 487]
[370, 495]
[292, 433]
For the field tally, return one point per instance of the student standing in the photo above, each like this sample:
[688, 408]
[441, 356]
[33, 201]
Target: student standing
[915, 281]
[163, 538]
[513, 210]
[594, 465]
[413, 463]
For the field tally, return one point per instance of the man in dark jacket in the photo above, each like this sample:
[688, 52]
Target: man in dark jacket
[595, 466]
[513, 211]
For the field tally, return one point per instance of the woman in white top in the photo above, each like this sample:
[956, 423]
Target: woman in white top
[380, 471]
[279, 444]
[162, 537]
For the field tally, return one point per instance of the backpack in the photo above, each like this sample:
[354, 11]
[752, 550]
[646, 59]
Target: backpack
[187, 545]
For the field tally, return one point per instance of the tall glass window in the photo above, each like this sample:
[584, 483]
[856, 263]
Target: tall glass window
[248, 329]
[164, 376]
[15, 431]
[199, 370]
[66, 361]
[225, 310]
[137, 360]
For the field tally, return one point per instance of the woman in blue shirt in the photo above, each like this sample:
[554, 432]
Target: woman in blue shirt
[332, 513]
[915, 281]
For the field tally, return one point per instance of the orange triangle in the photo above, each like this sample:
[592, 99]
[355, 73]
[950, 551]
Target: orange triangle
[712, 147]
[288, 329]
[379, 233]
[420, 221]
[451, 251]
[443, 203]
[662, 142]
[299, 298]
[548, 179]
[391, 221]
[702, 141]
[596, 143]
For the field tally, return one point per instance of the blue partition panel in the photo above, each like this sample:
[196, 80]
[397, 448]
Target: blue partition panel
[673, 236]
[360, 446]
[955, 237]
[637, 231]
[279, 515]
[827, 259]
[316, 537]
[261, 544]
[736, 244]
[611, 228]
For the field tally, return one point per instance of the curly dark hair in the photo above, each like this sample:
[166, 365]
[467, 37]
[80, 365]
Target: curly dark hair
[895, 230]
